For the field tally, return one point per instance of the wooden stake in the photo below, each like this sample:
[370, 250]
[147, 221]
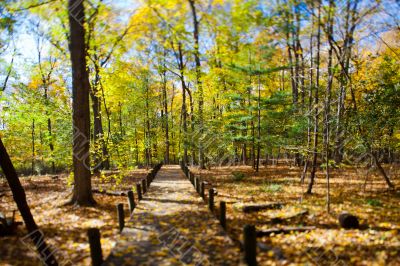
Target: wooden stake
[211, 199]
[121, 216]
[131, 201]
[222, 214]
[139, 191]
[250, 245]
[95, 246]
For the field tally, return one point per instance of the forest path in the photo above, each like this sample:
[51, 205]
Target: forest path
[172, 225]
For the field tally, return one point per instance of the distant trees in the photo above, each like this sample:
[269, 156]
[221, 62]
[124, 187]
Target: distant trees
[213, 83]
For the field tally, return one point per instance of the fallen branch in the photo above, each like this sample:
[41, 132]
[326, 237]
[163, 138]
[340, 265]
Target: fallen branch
[285, 230]
[259, 207]
[296, 215]
[109, 193]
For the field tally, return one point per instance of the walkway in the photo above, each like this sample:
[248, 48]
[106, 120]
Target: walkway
[173, 226]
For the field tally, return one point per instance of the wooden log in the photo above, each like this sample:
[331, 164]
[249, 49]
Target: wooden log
[139, 191]
[211, 199]
[258, 207]
[250, 245]
[95, 246]
[222, 214]
[121, 216]
[285, 230]
[131, 201]
[348, 221]
[282, 219]
[144, 187]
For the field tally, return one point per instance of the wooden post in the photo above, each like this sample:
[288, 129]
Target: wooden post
[195, 183]
[95, 246]
[186, 171]
[144, 186]
[121, 216]
[250, 245]
[198, 185]
[222, 214]
[148, 181]
[202, 190]
[131, 201]
[139, 191]
[211, 199]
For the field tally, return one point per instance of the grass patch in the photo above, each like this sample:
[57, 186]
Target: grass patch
[374, 202]
[238, 176]
[271, 187]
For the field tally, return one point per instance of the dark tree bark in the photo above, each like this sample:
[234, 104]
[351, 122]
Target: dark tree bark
[20, 199]
[184, 108]
[82, 192]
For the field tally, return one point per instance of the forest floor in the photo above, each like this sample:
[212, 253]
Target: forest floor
[377, 243]
[64, 227]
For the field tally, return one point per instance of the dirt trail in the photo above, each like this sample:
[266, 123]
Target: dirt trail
[173, 226]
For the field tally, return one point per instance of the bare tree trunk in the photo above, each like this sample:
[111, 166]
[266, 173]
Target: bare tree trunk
[316, 103]
[198, 78]
[305, 169]
[147, 130]
[328, 103]
[33, 148]
[192, 122]
[165, 105]
[184, 108]
[82, 192]
[258, 124]
[291, 50]
[101, 161]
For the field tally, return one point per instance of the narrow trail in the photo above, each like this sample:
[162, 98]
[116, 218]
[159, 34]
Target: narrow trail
[173, 226]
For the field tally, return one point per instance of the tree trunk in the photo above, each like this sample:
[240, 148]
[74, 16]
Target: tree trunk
[101, 159]
[306, 164]
[184, 108]
[258, 124]
[20, 199]
[198, 79]
[82, 192]
[328, 103]
[165, 105]
[33, 148]
[316, 102]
